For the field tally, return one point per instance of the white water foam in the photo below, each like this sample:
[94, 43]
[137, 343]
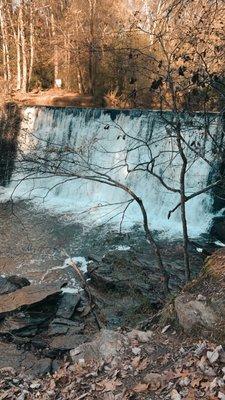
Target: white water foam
[113, 137]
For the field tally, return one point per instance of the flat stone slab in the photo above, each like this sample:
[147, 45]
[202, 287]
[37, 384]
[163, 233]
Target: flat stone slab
[26, 296]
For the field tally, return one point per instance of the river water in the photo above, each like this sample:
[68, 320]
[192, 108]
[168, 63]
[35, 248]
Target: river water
[45, 220]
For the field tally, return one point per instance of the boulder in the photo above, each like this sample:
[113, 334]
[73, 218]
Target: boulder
[26, 296]
[67, 305]
[194, 314]
[39, 368]
[218, 228]
[22, 360]
[21, 324]
[68, 341]
[12, 283]
[61, 326]
[106, 345]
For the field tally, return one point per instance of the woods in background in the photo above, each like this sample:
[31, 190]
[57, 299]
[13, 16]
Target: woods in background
[127, 53]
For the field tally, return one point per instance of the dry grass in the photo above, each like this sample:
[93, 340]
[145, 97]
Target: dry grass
[114, 100]
[215, 264]
[55, 98]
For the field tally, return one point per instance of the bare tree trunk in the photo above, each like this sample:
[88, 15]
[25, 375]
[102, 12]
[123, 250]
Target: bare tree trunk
[5, 46]
[183, 205]
[68, 61]
[31, 46]
[177, 128]
[56, 50]
[80, 81]
[91, 66]
[4, 61]
[16, 36]
[18, 60]
[151, 241]
[23, 49]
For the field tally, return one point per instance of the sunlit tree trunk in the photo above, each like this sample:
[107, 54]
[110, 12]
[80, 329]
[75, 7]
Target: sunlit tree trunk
[92, 8]
[5, 45]
[31, 45]
[23, 50]
[56, 50]
[18, 59]
[16, 37]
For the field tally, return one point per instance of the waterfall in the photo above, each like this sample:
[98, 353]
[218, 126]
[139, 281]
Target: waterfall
[117, 141]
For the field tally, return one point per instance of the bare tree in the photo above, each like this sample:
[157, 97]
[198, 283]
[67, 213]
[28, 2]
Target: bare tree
[5, 44]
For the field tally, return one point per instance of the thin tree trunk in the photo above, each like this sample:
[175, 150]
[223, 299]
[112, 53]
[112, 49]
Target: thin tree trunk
[31, 46]
[23, 49]
[183, 171]
[5, 45]
[183, 205]
[16, 36]
[91, 66]
[56, 50]
[151, 241]
[18, 60]
[80, 81]
[68, 61]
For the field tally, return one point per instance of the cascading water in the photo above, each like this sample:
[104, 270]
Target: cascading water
[114, 142]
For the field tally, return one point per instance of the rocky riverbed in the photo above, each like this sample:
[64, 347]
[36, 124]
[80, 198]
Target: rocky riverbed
[47, 309]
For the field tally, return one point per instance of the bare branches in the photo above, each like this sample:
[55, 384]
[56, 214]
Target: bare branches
[193, 195]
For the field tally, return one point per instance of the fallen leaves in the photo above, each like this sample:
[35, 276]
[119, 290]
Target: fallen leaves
[196, 372]
[108, 385]
[140, 388]
[174, 395]
[155, 381]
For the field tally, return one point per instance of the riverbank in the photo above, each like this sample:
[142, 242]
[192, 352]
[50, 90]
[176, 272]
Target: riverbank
[123, 266]
[163, 361]
[51, 97]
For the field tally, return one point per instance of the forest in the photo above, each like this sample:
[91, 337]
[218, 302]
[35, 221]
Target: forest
[123, 53]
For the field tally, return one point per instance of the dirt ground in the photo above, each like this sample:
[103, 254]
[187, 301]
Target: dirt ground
[54, 97]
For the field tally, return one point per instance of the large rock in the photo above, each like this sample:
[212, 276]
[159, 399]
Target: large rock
[61, 326]
[39, 368]
[23, 361]
[12, 283]
[194, 314]
[68, 341]
[218, 228]
[26, 296]
[22, 324]
[68, 304]
[107, 344]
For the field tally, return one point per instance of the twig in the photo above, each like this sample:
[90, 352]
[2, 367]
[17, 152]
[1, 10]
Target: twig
[86, 289]
[82, 396]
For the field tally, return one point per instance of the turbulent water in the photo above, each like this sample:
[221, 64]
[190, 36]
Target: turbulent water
[121, 144]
